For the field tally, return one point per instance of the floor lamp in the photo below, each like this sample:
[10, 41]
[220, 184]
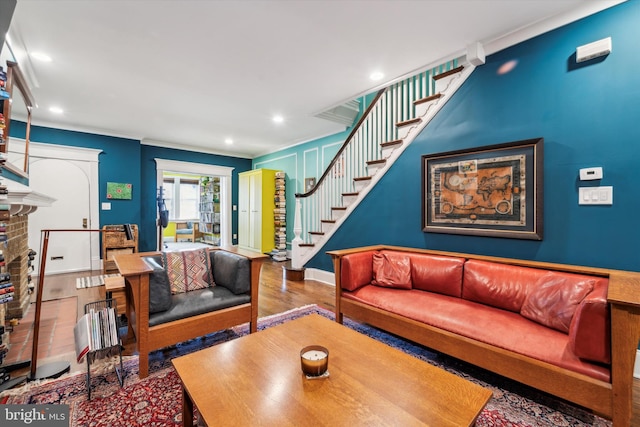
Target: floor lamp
[54, 369]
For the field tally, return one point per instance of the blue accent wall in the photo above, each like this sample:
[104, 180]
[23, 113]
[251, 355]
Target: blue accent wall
[119, 162]
[588, 115]
[127, 161]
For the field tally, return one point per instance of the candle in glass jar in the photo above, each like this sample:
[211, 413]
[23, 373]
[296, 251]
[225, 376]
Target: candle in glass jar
[314, 360]
[314, 355]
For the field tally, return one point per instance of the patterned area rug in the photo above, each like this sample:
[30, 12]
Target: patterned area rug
[92, 281]
[156, 400]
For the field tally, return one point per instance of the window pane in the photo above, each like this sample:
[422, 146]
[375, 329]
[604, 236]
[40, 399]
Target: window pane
[189, 200]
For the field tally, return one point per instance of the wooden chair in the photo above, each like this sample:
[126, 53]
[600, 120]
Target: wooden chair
[187, 230]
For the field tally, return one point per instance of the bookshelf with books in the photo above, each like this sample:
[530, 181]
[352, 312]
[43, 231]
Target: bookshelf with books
[279, 252]
[209, 224]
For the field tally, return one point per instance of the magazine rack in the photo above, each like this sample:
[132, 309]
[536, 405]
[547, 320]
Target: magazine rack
[108, 351]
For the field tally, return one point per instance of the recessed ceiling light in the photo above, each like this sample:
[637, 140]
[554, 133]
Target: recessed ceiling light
[56, 110]
[278, 119]
[40, 56]
[376, 75]
[228, 141]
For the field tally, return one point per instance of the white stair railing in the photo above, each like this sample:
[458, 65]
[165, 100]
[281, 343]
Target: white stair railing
[393, 119]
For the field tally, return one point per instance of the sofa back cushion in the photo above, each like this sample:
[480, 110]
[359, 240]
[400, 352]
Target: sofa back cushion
[554, 299]
[159, 289]
[356, 270]
[232, 271]
[434, 273]
[392, 270]
[498, 285]
[188, 270]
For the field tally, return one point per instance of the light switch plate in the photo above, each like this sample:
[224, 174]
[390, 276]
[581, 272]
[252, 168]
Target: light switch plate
[595, 195]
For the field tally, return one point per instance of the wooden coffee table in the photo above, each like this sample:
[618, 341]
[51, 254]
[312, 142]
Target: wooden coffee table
[257, 380]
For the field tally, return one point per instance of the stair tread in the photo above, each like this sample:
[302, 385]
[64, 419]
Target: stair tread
[408, 122]
[339, 208]
[376, 162]
[390, 143]
[331, 221]
[350, 194]
[310, 245]
[362, 178]
[448, 73]
[427, 99]
[320, 233]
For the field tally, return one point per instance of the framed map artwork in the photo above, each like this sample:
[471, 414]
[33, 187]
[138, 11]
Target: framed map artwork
[489, 191]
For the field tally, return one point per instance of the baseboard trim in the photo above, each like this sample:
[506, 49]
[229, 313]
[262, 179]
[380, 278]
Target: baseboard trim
[320, 276]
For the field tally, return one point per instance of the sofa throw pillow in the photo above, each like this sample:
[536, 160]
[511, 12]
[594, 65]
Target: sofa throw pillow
[188, 270]
[554, 300]
[391, 270]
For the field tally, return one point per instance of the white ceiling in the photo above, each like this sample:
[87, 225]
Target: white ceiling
[191, 73]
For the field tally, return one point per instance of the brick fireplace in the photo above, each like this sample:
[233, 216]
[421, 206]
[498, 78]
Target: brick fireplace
[22, 201]
[16, 257]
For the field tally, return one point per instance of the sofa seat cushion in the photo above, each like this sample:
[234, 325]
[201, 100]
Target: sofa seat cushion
[497, 327]
[201, 301]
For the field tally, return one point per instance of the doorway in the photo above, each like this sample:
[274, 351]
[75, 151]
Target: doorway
[69, 175]
[218, 179]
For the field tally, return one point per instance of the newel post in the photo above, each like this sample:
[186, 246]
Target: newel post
[296, 255]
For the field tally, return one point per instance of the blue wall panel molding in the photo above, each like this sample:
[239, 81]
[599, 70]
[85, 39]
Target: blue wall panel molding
[587, 116]
[311, 167]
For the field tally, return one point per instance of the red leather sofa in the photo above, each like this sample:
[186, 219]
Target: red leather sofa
[550, 326]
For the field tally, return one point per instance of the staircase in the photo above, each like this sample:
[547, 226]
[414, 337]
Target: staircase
[394, 118]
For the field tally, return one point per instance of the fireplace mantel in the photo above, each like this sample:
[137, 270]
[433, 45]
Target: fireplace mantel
[24, 200]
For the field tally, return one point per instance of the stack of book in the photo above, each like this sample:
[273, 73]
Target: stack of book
[96, 330]
[6, 287]
[2, 128]
[4, 94]
[4, 192]
[280, 219]
[30, 268]
[4, 349]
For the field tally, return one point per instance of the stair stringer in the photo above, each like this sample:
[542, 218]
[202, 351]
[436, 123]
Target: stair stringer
[434, 107]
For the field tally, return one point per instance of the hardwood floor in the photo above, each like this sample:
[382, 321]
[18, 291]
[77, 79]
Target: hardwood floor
[276, 295]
